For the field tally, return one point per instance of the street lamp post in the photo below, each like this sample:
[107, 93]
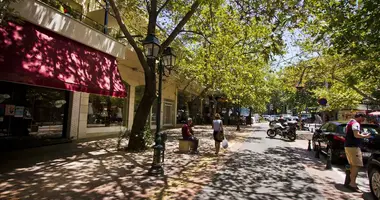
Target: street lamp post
[299, 88]
[152, 49]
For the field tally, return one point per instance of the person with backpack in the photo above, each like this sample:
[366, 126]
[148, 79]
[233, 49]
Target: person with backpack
[218, 134]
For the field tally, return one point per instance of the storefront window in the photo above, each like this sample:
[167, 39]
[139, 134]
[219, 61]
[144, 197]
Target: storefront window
[105, 111]
[32, 111]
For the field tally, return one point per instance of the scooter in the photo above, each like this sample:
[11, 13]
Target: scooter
[284, 129]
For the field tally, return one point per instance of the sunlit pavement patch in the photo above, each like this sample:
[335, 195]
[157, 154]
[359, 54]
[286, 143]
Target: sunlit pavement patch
[94, 170]
[330, 182]
[190, 182]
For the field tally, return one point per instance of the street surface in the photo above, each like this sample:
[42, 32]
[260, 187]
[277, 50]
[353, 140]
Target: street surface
[264, 168]
[253, 167]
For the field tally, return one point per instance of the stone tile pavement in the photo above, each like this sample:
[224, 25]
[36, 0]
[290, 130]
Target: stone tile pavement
[96, 170]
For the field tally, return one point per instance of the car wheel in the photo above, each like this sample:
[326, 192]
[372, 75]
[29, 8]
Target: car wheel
[334, 158]
[374, 182]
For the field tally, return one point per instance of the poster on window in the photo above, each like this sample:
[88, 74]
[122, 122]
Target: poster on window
[19, 111]
[2, 110]
[10, 110]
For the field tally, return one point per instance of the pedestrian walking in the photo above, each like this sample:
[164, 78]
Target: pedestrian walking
[352, 148]
[218, 134]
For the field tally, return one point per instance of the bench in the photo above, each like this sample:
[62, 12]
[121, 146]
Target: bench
[185, 145]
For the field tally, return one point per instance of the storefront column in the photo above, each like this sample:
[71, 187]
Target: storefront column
[83, 112]
[175, 108]
[74, 106]
[131, 106]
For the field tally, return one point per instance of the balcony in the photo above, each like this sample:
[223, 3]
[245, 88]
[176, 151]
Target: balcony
[71, 23]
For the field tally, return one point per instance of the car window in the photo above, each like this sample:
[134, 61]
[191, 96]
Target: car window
[370, 130]
[342, 129]
[324, 127]
[331, 128]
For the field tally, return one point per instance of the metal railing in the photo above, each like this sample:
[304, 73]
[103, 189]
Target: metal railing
[78, 15]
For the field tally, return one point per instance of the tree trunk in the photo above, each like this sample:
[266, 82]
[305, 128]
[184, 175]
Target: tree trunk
[227, 116]
[238, 120]
[137, 141]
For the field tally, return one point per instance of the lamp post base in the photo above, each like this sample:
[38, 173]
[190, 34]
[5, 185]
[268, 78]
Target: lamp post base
[156, 170]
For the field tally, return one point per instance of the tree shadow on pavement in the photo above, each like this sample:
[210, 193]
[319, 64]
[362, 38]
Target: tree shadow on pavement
[274, 174]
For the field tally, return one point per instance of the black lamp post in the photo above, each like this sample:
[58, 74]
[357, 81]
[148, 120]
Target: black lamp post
[151, 49]
[299, 88]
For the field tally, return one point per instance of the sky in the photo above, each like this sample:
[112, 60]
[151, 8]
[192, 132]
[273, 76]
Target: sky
[294, 53]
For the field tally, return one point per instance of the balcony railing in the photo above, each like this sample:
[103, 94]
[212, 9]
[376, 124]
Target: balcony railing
[78, 15]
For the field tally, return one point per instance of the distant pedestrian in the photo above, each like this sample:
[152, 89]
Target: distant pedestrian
[352, 148]
[218, 134]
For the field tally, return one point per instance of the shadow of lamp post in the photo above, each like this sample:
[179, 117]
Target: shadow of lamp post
[167, 60]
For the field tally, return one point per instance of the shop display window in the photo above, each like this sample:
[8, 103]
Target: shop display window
[105, 111]
[32, 111]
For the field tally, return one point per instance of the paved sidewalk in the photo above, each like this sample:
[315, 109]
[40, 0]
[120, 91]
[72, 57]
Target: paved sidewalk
[330, 182]
[95, 170]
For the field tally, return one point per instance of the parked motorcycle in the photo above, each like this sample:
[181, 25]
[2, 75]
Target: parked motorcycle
[284, 129]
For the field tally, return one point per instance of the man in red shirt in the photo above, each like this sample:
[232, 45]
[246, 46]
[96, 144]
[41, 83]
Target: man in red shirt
[352, 148]
[187, 134]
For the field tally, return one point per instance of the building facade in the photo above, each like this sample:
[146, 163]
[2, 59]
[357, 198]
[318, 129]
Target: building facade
[64, 75]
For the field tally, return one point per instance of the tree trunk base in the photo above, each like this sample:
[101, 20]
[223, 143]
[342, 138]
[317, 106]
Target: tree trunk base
[138, 144]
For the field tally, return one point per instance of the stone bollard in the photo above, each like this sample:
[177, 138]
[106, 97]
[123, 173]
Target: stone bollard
[317, 151]
[328, 159]
[309, 146]
[347, 180]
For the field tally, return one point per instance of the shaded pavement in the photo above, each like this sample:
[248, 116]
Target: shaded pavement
[262, 169]
[96, 170]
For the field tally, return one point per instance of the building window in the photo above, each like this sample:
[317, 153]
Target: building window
[32, 111]
[105, 111]
[168, 113]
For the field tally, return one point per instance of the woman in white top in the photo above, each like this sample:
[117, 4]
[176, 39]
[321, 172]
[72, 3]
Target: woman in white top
[217, 125]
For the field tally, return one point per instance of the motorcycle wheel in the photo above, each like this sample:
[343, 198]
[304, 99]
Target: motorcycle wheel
[271, 133]
[292, 136]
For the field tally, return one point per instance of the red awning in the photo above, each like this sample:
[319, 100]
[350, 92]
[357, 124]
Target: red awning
[36, 56]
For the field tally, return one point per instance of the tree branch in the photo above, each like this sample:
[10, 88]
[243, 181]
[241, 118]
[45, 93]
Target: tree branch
[356, 89]
[181, 24]
[188, 84]
[129, 37]
[197, 33]
[152, 17]
[147, 6]
[163, 6]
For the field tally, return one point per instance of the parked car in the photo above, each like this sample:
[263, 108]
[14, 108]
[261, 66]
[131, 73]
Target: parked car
[333, 135]
[373, 171]
[266, 117]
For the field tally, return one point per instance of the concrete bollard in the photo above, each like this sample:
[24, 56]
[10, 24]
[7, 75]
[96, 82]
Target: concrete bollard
[328, 159]
[347, 180]
[317, 151]
[309, 146]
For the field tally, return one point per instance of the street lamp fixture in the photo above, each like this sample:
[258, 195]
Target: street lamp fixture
[151, 46]
[168, 58]
[166, 61]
